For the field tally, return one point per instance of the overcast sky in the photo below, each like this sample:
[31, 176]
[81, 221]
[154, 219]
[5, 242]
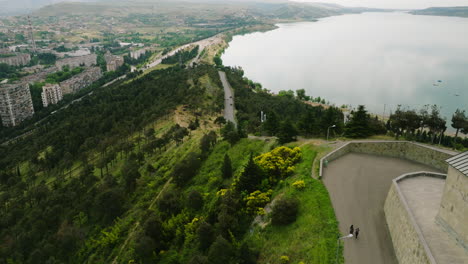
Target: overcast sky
[403, 4]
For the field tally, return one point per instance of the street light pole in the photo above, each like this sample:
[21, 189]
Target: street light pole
[338, 245]
[328, 130]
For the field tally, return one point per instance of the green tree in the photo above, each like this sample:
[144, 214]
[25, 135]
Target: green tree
[359, 125]
[186, 169]
[205, 144]
[221, 252]
[271, 124]
[109, 204]
[220, 120]
[195, 200]
[251, 177]
[145, 248]
[229, 133]
[226, 169]
[169, 202]
[47, 58]
[218, 61]
[130, 174]
[301, 95]
[435, 122]
[459, 121]
[154, 229]
[287, 132]
[206, 235]
[289, 94]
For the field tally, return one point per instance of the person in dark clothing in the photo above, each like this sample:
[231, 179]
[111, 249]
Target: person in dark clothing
[351, 229]
[357, 232]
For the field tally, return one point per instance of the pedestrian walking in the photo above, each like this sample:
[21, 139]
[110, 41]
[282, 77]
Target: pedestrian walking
[351, 229]
[357, 232]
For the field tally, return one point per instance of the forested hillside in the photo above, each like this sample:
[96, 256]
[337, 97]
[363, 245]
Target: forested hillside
[148, 172]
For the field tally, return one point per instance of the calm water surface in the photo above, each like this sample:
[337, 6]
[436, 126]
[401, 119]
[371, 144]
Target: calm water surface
[374, 59]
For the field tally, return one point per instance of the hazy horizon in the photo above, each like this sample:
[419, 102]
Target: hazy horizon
[395, 4]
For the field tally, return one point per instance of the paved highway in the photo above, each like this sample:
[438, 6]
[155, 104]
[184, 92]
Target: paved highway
[228, 99]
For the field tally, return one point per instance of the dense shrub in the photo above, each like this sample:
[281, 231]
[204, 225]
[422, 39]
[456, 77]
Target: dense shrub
[195, 200]
[221, 252]
[186, 169]
[206, 235]
[285, 211]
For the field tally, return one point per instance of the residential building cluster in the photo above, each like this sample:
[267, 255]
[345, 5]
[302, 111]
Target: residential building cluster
[51, 94]
[81, 80]
[137, 53]
[15, 103]
[113, 62]
[73, 62]
[16, 59]
[15, 98]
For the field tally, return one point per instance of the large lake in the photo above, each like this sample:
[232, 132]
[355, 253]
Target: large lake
[374, 59]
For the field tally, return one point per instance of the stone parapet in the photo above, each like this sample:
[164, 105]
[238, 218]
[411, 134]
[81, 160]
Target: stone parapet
[453, 211]
[420, 153]
[408, 240]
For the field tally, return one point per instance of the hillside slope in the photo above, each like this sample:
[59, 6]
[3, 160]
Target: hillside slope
[456, 11]
[145, 172]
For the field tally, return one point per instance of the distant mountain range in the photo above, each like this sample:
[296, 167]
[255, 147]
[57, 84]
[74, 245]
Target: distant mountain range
[457, 11]
[19, 7]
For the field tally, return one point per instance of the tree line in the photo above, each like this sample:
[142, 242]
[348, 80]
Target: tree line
[182, 56]
[428, 126]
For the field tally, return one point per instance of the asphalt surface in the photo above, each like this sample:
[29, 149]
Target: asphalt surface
[358, 185]
[228, 99]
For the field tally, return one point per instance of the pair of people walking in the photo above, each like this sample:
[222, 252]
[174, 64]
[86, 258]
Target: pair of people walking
[354, 232]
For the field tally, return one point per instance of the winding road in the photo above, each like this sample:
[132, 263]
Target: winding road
[228, 99]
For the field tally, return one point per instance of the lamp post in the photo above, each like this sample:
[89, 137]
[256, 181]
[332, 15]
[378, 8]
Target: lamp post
[338, 245]
[328, 130]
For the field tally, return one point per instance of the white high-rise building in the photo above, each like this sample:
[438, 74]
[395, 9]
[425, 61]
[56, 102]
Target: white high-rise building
[51, 94]
[15, 103]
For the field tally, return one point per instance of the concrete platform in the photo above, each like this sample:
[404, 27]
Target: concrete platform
[423, 195]
[358, 185]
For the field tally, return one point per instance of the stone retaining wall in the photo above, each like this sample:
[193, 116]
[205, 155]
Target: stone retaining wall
[420, 153]
[408, 241]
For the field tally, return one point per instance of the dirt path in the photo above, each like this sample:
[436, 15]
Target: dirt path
[358, 185]
[137, 224]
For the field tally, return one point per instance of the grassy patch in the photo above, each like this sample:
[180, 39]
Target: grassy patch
[312, 237]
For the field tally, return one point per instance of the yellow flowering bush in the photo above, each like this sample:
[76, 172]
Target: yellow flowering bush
[284, 259]
[279, 162]
[299, 185]
[190, 230]
[222, 192]
[256, 201]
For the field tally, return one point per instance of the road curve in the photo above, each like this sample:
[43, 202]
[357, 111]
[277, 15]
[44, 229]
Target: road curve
[228, 99]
